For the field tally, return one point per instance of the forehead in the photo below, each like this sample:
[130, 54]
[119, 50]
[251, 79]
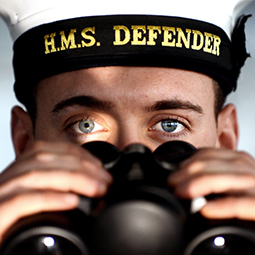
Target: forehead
[131, 83]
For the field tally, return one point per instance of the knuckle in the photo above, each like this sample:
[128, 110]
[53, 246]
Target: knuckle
[197, 165]
[41, 156]
[241, 159]
[43, 197]
[29, 177]
[38, 159]
[245, 156]
[13, 199]
[88, 164]
[205, 152]
[90, 186]
[17, 200]
[188, 191]
[239, 206]
[39, 153]
[37, 145]
[241, 155]
[73, 175]
[97, 190]
[72, 149]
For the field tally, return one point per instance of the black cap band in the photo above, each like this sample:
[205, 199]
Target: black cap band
[137, 40]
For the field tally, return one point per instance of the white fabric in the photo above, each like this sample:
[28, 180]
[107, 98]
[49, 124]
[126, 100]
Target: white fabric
[21, 15]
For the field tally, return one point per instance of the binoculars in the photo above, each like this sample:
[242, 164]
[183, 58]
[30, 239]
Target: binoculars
[140, 215]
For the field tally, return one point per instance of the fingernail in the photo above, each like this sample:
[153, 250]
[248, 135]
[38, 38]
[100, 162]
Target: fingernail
[107, 177]
[102, 187]
[210, 206]
[72, 199]
[173, 179]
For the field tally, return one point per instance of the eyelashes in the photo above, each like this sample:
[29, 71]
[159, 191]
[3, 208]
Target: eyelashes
[169, 126]
[161, 127]
[86, 126]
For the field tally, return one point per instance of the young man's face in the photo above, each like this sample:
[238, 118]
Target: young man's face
[124, 105]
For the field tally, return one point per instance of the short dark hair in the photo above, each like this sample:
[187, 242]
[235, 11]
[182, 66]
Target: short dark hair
[219, 99]
[31, 106]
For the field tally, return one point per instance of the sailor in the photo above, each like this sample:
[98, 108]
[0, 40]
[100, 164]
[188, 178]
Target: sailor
[134, 73]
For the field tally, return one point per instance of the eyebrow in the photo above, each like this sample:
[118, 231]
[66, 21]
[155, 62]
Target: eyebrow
[85, 101]
[92, 102]
[175, 104]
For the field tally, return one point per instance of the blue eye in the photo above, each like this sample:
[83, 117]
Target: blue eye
[86, 126]
[169, 125]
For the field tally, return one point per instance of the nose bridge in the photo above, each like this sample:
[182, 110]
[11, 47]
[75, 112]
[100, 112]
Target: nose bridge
[128, 135]
[129, 131]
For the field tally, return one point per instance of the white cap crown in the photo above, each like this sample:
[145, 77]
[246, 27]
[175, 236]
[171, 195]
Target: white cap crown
[22, 15]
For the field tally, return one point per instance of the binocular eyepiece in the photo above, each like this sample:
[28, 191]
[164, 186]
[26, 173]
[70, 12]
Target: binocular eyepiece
[140, 215]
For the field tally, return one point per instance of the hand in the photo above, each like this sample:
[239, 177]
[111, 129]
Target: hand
[49, 177]
[223, 172]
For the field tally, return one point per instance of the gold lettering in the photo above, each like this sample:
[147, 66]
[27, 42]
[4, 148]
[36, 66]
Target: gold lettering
[208, 43]
[49, 43]
[138, 34]
[183, 38]
[153, 34]
[118, 40]
[216, 45]
[195, 45]
[69, 41]
[90, 38]
[169, 33]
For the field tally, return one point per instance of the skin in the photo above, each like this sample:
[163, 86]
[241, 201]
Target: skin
[51, 169]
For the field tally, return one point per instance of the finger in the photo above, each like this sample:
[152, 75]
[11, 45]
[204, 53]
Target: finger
[57, 180]
[196, 167]
[47, 161]
[59, 148]
[214, 161]
[44, 152]
[221, 155]
[30, 203]
[50, 161]
[231, 207]
[205, 184]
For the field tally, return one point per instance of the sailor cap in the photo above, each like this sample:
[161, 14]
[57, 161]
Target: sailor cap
[53, 36]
